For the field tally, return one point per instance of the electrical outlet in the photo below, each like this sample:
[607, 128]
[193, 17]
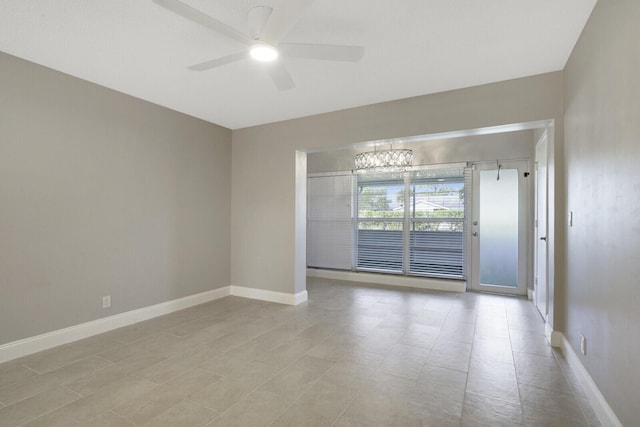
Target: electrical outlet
[583, 345]
[106, 301]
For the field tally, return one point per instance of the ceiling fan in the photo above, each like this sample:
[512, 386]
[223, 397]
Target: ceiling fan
[266, 29]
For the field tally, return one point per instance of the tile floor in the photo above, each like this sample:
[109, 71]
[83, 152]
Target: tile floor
[351, 356]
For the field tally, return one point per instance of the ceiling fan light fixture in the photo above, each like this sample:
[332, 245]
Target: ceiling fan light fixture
[263, 52]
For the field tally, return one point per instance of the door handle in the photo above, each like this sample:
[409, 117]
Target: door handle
[544, 238]
[475, 233]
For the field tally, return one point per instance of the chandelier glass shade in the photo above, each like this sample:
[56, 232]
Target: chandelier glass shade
[384, 160]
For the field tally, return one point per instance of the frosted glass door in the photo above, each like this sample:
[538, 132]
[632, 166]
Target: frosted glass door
[498, 228]
[498, 235]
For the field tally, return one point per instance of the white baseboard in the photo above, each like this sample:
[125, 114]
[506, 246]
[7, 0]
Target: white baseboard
[390, 280]
[271, 296]
[31, 345]
[531, 294]
[599, 404]
[48, 340]
[554, 337]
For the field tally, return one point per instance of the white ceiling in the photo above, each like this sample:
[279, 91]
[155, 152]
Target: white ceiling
[413, 47]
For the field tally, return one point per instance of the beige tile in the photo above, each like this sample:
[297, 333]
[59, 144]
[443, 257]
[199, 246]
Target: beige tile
[212, 323]
[175, 366]
[493, 379]
[453, 355]
[418, 335]
[352, 355]
[107, 398]
[78, 369]
[262, 343]
[226, 364]
[540, 371]
[492, 349]
[376, 409]
[32, 385]
[405, 361]
[33, 407]
[350, 376]
[231, 389]
[158, 345]
[183, 414]
[25, 388]
[530, 342]
[482, 411]
[10, 373]
[547, 407]
[320, 405]
[231, 340]
[110, 419]
[296, 378]
[491, 328]
[440, 389]
[257, 409]
[102, 378]
[66, 354]
[151, 404]
[285, 354]
[58, 418]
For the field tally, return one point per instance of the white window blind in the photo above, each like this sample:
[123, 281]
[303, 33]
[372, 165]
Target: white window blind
[329, 225]
[409, 223]
[412, 223]
[437, 218]
[380, 223]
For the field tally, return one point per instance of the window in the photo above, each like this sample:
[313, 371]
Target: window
[436, 243]
[403, 223]
[380, 224]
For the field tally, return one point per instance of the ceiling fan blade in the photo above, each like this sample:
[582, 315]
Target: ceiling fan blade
[325, 52]
[214, 63]
[198, 17]
[280, 76]
[257, 19]
[285, 15]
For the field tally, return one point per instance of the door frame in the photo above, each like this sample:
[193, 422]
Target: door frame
[541, 150]
[524, 196]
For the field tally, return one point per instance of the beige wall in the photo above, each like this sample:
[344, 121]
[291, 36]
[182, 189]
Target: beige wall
[602, 111]
[103, 194]
[263, 200]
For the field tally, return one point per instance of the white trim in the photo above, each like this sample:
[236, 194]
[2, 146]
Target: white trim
[390, 280]
[599, 404]
[554, 337]
[31, 345]
[531, 294]
[300, 297]
[447, 135]
[271, 296]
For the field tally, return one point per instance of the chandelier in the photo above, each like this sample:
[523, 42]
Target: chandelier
[384, 161]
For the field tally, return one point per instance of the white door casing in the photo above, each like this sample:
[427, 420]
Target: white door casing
[541, 231]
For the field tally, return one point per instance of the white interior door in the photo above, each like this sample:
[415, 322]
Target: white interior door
[499, 228]
[541, 215]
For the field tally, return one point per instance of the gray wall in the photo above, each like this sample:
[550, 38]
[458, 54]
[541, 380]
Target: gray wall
[103, 194]
[602, 141]
[503, 146]
[264, 173]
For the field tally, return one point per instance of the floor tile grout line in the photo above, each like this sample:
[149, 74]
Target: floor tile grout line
[473, 346]
[572, 385]
[255, 389]
[357, 394]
